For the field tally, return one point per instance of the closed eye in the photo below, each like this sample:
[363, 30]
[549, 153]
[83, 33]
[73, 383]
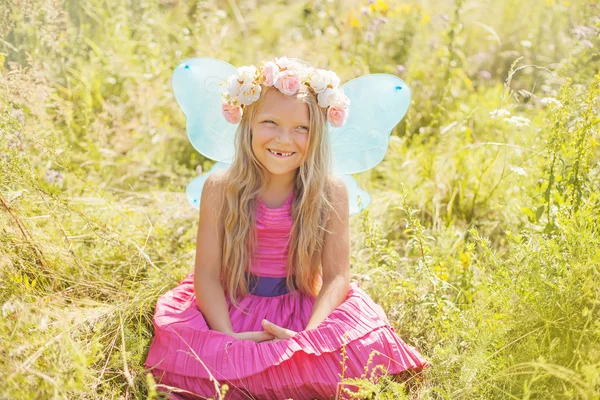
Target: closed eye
[269, 122]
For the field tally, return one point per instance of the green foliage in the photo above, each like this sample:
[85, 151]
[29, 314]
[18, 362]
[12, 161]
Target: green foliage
[482, 242]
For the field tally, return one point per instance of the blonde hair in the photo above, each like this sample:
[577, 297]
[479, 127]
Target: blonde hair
[244, 181]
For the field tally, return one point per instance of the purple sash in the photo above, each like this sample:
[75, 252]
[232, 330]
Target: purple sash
[267, 286]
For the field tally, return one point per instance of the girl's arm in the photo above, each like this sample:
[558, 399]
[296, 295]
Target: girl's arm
[335, 259]
[210, 296]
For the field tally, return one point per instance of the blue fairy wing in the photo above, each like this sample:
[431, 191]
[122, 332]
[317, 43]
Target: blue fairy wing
[358, 199]
[196, 83]
[377, 103]
[193, 190]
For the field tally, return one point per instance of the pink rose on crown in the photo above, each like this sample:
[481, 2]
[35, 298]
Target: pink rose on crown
[288, 82]
[270, 70]
[337, 115]
[233, 114]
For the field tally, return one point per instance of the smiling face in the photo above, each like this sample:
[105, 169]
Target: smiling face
[280, 131]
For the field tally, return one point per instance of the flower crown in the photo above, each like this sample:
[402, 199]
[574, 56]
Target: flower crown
[288, 77]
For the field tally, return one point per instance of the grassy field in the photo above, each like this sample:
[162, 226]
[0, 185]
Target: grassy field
[482, 242]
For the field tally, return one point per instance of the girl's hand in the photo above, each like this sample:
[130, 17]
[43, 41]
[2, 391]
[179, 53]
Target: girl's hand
[257, 336]
[277, 331]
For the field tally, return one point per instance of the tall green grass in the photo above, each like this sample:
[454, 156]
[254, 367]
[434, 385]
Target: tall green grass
[482, 242]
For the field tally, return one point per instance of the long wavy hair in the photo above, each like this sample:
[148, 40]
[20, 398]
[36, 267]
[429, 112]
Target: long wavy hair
[245, 180]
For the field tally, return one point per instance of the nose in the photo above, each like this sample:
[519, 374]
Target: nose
[284, 136]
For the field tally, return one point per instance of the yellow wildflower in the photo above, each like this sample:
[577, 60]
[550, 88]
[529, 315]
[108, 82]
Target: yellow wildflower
[403, 9]
[379, 5]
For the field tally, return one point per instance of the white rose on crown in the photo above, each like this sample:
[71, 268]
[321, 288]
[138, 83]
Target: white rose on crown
[327, 97]
[247, 73]
[334, 80]
[249, 93]
[283, 62]
[342, 100]
[233, 85]
[319, 80]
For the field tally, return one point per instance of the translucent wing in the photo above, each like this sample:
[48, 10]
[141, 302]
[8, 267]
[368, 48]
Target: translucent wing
[377, 103]
[196, 86]
[358, 199]
[193, 190]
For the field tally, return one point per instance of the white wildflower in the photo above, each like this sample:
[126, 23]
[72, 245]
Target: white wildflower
[19, 115]
[519, 122]
[499, 113]
[518, 171]
[44, 323]
[54, 177]
[10, 307]
[526, 43]
[551, 100]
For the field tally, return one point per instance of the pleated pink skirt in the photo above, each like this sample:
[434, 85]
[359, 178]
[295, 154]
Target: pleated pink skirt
[187, 355]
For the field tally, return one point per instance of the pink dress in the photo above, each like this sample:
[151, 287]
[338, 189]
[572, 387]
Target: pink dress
[185, 353]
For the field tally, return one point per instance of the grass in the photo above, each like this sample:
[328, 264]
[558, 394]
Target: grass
[482, 242]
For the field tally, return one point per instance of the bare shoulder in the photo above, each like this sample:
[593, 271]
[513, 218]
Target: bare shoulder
[215, 184]
[338, 194]
[216, 179]
[338, 188]
[213, 193]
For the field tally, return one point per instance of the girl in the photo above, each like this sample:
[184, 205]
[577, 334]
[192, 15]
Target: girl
[270, 304]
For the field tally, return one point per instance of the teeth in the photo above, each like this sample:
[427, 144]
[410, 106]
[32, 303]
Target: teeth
[280, 154]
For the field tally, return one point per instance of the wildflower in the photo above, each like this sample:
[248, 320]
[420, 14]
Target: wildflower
[583, 32]
[519, 122]
[485, 74]
[526, 43]
[587, 43]
[551, 100]
[53, 176]
[19, 115]
[518, 171]
[378, 5]
[499, 113]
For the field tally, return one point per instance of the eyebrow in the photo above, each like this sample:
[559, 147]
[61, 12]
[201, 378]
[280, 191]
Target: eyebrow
[269, 116]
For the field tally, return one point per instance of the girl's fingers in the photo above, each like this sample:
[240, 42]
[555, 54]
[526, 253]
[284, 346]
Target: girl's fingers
[271, 328]
[278, 331]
